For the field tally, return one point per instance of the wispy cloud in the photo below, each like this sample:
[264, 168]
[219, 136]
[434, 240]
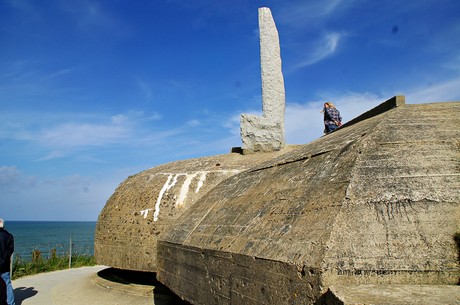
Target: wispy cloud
[20, 70]
[301, 13]
[120, 129]
[322, 49]
[73, 135]
[145, 88]
[60, 133]
[53, 155]
[87, 135]
[32, 79]
[56, 74]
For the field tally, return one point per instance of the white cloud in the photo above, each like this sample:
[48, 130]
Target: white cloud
[155, 117]
[55, 154]
[73, 135]
[193, 123]
[444, 91]
[233, 124]
[352, 104]
[324, 48]
[304, 122]
[119, 119]
[87, 135]
[59, 134]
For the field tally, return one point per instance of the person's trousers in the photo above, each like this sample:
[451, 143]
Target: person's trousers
[329, 127]
[9, 288]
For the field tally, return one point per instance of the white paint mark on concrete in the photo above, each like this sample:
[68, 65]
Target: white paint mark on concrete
[184, 189]
[145, 212]
[168, 185]
[172, 180]
[201, 181]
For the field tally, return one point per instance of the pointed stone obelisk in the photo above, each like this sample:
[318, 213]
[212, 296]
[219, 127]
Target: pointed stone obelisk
[266, 133]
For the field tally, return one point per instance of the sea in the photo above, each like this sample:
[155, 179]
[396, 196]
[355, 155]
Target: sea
[46, 236]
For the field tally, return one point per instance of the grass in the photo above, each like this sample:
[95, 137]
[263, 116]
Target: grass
[56, 262]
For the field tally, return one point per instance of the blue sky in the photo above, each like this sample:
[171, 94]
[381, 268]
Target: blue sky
[92, 91]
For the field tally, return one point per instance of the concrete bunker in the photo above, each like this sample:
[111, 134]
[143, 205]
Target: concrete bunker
[376, 202]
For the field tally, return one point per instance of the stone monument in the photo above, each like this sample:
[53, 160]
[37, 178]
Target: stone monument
[266, 133]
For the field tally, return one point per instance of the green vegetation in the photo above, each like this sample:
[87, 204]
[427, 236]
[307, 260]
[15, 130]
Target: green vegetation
[38, 264]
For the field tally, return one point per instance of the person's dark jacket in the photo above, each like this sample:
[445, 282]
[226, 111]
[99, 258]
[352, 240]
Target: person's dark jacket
[6, 250]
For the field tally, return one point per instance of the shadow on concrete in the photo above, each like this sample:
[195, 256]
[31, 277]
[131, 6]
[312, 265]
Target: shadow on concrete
[129, 277]
[22, 293]
[162, 295]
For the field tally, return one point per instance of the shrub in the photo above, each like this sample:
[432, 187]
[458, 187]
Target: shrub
[55, 262]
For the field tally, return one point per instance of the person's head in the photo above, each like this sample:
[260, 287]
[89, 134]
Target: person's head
[329, 105]
[2, 223]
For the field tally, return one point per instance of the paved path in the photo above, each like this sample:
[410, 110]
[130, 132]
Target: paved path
[82, 286]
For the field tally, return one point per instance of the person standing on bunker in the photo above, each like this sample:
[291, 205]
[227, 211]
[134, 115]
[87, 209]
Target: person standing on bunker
[332, 118]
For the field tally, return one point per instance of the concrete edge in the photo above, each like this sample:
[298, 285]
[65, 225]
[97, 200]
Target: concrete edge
[135, 289]
[395, 101]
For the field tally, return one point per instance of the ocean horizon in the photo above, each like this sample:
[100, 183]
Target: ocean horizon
[46, 236]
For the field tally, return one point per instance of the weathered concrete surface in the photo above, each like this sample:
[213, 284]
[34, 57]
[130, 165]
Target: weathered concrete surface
[266, 133]
[147, 203]
[376, 202]
[392, 294]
